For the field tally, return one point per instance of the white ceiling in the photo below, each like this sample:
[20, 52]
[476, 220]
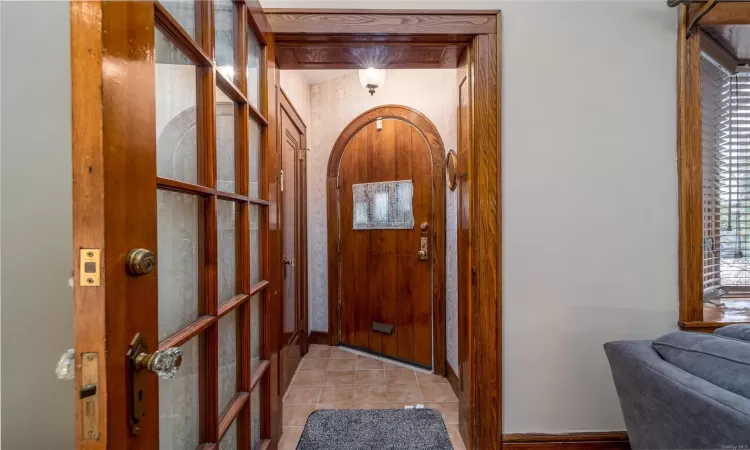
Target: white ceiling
[319, 76]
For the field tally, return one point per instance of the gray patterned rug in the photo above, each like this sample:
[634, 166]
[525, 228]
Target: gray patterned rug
[360, 429]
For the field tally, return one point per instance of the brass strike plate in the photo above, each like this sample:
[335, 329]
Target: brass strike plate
[89, 396]
[90, 267]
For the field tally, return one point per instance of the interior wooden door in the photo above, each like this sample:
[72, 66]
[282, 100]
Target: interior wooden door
[170, 150]
[293, 223]
[383, 279]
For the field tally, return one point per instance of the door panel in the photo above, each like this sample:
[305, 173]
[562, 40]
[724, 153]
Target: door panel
[382, 278]
[169, 153]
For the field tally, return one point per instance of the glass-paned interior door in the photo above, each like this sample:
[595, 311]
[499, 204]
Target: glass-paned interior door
[211, 213]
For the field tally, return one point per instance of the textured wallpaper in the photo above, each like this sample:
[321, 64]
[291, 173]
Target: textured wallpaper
[333, 105]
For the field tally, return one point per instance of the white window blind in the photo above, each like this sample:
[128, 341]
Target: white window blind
[725, 104]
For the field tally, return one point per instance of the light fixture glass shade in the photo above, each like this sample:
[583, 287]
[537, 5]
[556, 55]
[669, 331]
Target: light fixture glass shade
[372, 79]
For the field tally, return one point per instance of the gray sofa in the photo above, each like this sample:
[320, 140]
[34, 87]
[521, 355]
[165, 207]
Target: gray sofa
[685, 390]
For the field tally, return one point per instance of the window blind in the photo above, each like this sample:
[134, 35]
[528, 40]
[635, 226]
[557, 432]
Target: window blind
[725, 104]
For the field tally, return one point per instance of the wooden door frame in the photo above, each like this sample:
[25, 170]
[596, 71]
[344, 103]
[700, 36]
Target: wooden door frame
[380, 27]
[300, 228]
[437, 214]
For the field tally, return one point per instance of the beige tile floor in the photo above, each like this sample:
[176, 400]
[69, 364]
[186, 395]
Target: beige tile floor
[331, 377]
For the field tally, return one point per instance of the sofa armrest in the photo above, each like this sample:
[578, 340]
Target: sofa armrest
[667, 407]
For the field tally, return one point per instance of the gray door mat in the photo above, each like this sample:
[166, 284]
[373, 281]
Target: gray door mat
[360, 429]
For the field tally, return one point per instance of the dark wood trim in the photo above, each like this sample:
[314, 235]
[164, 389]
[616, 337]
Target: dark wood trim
[437, 150]
[318, 337]
[487, 220]
[613, 440]
[704, 327]
[689, 173]
[452, 379]
[380, 22]
[724, 13]
[235, 406]
[384, 12]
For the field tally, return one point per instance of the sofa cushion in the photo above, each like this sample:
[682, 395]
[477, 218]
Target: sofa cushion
[722, 361]
[737, 331]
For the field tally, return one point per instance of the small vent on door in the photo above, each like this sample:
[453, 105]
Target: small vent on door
[384, 328]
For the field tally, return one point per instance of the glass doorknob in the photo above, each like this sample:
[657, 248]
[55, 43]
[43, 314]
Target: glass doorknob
[66, 366]
[164, 363]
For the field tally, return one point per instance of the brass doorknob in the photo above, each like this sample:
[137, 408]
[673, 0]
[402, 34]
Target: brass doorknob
[422, 254]
[164, 363]
[140, 261]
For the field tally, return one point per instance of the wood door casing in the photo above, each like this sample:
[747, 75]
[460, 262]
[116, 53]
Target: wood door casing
[464, 211]
[294, 247]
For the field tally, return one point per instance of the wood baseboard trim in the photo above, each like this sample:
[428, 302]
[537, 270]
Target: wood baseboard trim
[452, 379]
[318, 337]
[610, 440]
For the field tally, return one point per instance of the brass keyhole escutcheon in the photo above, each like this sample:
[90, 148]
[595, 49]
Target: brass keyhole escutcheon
[140, 261]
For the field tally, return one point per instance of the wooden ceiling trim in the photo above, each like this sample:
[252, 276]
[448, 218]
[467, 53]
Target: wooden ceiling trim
[358, 22]
[724, 13]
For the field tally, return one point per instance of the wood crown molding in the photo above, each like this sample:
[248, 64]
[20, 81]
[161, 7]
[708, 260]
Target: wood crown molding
[370, 22]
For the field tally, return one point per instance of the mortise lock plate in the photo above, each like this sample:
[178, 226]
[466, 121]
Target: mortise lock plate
[89, 396]
[89, 272]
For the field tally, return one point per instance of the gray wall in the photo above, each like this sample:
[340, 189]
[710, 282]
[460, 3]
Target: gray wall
[35, 224]
[589, 196]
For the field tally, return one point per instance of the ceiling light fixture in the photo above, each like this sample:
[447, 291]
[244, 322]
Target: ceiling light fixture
[372, 79]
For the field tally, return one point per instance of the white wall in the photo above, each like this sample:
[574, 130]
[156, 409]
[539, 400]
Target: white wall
[589, 197]
[37, 304]
[298, 91]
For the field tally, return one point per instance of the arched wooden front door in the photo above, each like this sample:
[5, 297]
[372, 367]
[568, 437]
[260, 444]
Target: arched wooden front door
[387, 240]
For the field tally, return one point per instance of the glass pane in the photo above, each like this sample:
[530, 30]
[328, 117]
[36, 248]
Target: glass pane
[255, 328]
[184, 12]
[253, 68]
[224, 28]
[178, 232]
[225, 151]
[255, 424]
[385, 205]
[227, 359]
[227, 250]
[254, 147]
[176, 137]
[255, 244]
[178, 403]
[229, 441]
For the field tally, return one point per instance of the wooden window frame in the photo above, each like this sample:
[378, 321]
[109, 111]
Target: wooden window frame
[689, 149]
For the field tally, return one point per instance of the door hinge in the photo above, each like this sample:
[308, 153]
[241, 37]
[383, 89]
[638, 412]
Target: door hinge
[337, 182]
[281, 180]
